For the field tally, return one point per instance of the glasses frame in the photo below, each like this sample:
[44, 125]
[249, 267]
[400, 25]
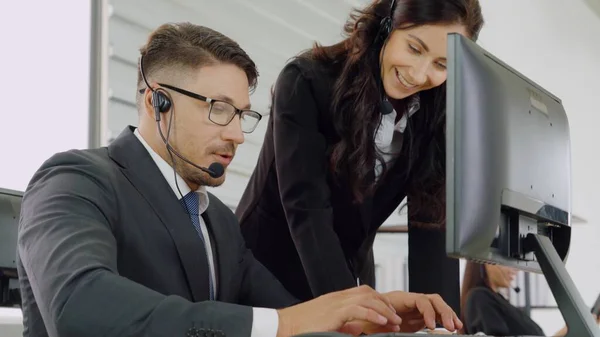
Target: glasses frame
[211, 102]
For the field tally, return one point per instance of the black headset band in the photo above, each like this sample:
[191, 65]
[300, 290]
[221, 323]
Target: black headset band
[160, 100]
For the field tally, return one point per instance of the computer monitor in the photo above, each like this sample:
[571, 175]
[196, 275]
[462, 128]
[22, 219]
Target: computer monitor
[508, 169]
[10, 210]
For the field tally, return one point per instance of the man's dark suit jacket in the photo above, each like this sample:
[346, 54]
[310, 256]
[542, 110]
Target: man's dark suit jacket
[304, 226]
[106, 249]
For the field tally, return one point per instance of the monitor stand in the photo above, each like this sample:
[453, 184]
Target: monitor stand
[576, 314]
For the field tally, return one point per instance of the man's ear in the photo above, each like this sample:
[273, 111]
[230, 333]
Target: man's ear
[148, 107]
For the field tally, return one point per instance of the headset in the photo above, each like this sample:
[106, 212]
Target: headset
[385, 26]
[161, 101]
[385, 29]
[162, 104]
[160, 98]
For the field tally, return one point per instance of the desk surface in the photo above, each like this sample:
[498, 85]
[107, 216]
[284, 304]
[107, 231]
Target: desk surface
[11, 322]
[11, 316]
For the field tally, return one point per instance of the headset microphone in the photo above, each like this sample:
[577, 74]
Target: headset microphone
[162, 103]
[214, 170]
[217, 169]
[517, 289]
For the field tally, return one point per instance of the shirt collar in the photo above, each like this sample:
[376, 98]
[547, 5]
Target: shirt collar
[174, 179]
[414, 104]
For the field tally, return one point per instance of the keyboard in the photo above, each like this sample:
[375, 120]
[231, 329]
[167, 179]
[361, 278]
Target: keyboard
[431, 334]
[395, 334]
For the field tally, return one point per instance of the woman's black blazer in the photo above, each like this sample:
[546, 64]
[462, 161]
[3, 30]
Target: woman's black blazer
[302, 224]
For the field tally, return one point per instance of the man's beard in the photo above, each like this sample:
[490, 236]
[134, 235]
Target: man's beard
[196, 176]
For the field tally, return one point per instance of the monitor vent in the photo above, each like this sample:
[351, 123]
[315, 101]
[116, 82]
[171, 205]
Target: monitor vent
[481, 261]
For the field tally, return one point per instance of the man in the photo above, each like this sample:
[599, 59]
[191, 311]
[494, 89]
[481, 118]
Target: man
[125, 241]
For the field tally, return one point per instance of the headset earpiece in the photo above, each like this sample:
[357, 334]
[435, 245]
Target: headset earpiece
[160, 102]
[386, 27]
[160, 98]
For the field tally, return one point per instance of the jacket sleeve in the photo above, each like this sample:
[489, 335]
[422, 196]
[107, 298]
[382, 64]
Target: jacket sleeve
[482, 314]
[301, 163]
[259, 287]
[69, 255]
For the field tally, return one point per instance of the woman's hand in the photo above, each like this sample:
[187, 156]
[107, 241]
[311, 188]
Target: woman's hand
[417, 311]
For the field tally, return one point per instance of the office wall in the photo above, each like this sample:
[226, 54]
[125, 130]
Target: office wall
[44, 64]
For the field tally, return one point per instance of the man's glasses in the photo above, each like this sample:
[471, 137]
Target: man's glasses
[221, 112]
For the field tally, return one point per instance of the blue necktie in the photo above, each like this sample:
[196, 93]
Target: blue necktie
[192, 203]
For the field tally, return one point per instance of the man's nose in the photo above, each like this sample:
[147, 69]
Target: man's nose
[233, 131]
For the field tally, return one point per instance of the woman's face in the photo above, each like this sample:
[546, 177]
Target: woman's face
[414, 59]
[500, 276]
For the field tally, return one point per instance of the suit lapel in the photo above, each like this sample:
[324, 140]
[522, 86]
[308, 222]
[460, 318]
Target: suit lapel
[139, 168]
[366, 210]
[366, 207]
[219, 238]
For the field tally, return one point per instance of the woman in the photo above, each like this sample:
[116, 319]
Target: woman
[355, 128]
[485, 310]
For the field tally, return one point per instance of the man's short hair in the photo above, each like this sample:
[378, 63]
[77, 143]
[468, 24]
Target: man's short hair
[185, 46]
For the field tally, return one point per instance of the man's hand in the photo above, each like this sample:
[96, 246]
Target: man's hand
[333, 311]
[417, 312]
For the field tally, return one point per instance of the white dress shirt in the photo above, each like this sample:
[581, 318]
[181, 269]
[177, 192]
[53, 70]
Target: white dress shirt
[265, 321]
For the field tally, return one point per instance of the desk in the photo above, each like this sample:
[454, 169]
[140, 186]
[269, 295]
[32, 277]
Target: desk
[11, 322]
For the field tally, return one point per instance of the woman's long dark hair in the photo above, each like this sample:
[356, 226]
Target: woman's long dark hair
[357, 94]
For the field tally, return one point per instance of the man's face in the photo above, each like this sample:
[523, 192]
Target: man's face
[196, 137]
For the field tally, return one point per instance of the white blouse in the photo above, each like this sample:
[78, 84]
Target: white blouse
[388, 138]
